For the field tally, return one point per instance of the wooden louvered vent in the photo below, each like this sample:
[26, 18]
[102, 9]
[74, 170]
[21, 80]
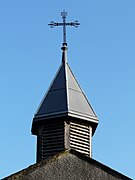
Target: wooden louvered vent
[52, 139]
[80, 138]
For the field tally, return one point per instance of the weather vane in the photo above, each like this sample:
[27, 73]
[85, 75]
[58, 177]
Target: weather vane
[64, 24]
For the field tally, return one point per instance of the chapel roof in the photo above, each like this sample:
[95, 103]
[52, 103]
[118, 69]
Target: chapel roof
[67, 165]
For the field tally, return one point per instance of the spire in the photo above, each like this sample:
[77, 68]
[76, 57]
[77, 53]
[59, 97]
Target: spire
[65, 98]
[65, 119]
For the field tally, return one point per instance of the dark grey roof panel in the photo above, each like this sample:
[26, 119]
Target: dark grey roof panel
[78, 103]
[56, 97]
[54, 101]
[59, 80]
[77, 99]
[72, 82]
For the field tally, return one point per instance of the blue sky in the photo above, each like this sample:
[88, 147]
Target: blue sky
[101, 53]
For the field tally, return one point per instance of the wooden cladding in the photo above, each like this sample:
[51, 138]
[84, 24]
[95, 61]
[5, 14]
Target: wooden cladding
[80, 138]
[52, 139]
[59, 135]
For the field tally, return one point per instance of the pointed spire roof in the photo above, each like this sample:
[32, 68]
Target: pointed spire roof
[65, 97]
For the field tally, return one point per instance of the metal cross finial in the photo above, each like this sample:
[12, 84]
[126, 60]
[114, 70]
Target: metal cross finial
[64, 24]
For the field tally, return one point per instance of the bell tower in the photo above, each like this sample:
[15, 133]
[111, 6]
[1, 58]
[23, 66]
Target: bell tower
[65, 119]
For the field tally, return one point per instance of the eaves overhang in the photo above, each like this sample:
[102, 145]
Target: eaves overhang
[65, 116]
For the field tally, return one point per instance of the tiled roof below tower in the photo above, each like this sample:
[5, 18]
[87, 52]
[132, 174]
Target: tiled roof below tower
[68, 165]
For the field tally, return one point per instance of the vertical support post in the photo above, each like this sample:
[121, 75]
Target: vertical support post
[90, 136]
[67, 135]
[39, 145]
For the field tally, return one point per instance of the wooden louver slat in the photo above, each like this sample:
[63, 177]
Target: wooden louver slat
[52, 138]
[80, 139]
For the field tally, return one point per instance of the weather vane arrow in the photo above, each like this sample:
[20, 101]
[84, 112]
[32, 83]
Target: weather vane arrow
[64, 24]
